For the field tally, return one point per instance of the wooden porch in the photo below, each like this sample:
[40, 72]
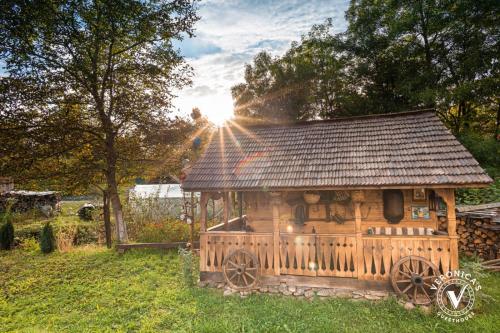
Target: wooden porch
[340, 255]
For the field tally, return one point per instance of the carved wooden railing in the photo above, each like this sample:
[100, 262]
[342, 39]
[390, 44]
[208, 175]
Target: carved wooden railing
[381, 252]
[318, 255]
[216, 245]
[324, 255]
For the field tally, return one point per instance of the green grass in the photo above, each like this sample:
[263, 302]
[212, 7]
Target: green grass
[96, 290]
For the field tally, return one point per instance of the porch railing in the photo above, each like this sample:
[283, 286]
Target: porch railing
[324, 254]
[381, 252]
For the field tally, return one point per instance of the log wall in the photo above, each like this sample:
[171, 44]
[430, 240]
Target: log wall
[259, 214]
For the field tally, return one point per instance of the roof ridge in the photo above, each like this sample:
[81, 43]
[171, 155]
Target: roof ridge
[336, 119]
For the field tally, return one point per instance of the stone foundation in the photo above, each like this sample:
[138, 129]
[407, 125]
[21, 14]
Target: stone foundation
[304, 292]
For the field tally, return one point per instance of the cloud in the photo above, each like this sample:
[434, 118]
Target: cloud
[231, 32]
[196, 47]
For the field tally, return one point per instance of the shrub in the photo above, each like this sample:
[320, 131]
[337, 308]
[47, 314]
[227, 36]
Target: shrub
[30, 245]
[65, 238]
[171, 230]
[187, 263]
[85, 234]
[47, 240]
[86, 212]
[6, 235]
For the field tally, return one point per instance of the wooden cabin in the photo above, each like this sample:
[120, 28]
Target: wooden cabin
[355, 198]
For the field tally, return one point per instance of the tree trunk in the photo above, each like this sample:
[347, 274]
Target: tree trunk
[112, 186]
[107, 218]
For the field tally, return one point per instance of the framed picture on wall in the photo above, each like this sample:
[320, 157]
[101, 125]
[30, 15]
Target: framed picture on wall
[420, 213]
[419, 194]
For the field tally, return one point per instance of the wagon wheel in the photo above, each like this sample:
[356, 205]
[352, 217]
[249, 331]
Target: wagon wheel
[413, 276]
[241, 269]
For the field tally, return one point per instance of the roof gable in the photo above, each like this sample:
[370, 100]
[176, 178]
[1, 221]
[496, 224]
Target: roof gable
[375, 151]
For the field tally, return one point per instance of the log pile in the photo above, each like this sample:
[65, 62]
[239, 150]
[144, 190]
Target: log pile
[24, 201]
[478, 229]
[477, 237]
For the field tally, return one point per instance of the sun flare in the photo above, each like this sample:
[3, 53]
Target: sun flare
[218, 109]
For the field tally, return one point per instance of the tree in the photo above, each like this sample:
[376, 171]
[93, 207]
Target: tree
[421, 54]
[47, 239]
[111, 61]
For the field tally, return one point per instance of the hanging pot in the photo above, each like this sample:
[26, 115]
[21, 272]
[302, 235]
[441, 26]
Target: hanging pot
[311, 198]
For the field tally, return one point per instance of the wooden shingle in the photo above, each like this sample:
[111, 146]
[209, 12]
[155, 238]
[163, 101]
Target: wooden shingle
[394, 150]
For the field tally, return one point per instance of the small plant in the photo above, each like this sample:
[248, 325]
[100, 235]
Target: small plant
[47, 239]
[187, 263]
[30, 245]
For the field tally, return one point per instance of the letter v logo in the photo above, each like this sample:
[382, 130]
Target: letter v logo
[453, 298]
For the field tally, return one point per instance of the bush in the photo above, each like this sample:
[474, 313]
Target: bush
[47, 239]
[165, 232]
[6, 235]
[86, 212]
[30, 245]
[85, 234]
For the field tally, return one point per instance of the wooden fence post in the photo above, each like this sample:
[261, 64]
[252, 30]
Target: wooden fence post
[358, 198]
[276, 202]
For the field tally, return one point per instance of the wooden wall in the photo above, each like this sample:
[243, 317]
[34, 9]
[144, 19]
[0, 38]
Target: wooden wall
[259, 213]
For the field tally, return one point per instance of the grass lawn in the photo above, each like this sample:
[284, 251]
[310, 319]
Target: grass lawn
[93, 289]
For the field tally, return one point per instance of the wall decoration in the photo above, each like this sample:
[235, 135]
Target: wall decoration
[420, 213]
[393, 205]
[419, 194]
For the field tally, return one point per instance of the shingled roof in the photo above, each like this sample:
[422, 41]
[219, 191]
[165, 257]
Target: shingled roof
[392, 150]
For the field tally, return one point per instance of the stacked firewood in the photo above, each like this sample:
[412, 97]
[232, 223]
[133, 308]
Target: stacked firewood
[477, 236]
[24, 201]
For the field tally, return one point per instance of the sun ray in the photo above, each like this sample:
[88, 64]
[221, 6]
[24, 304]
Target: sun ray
[245, 131]
[222, 153]
[235, 140]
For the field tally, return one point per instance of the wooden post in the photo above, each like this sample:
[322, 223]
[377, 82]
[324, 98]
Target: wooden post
[358, 198]
[203, 211]
[448, 196]
[191, 227]
[276, 202]
[227, 209]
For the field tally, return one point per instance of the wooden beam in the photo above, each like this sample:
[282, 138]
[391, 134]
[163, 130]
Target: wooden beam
[448, 196]
[203, 211]
[276, 202]
[358, 198]
[123, 247]
[227, 209]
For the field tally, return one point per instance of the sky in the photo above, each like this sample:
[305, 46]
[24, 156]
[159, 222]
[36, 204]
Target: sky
[228, 36]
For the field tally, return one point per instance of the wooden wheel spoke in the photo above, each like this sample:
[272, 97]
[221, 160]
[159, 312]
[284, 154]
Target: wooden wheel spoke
[425, 293]
[232, 276]
[405, 274]
[251, 268]
[407, 288]
[244, 279]
[250, 275]
[415, 294]
[404, 281]
[233, 264]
